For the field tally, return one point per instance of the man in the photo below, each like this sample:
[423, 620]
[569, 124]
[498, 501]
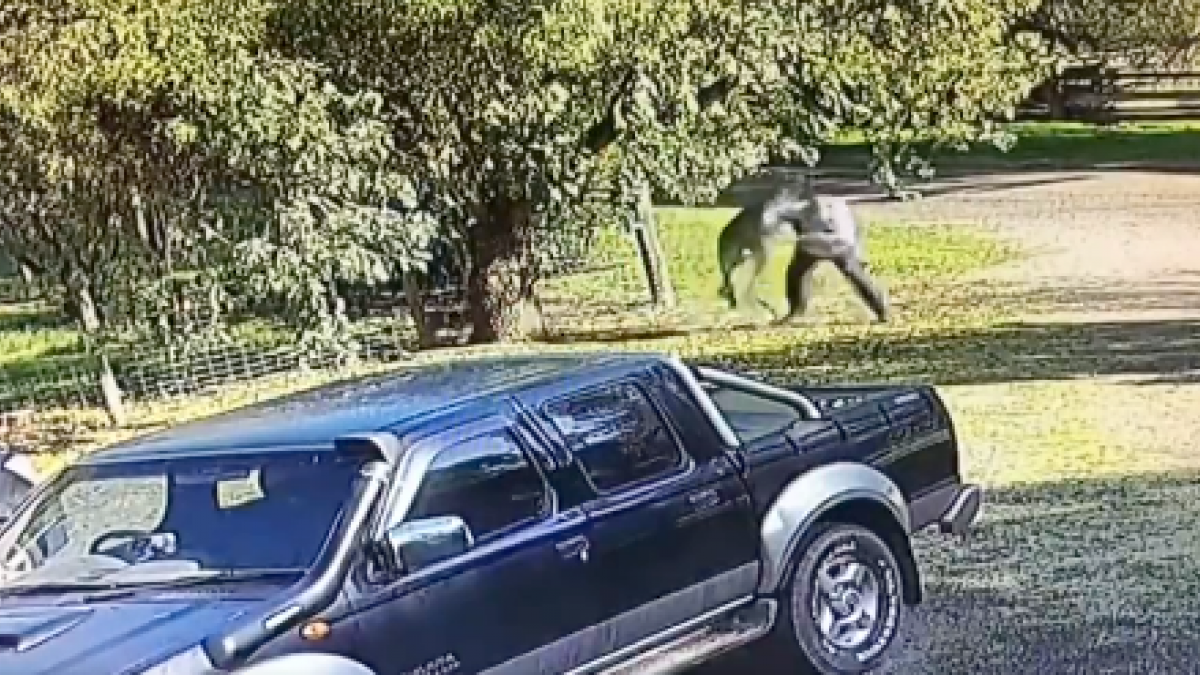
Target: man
[827, 230]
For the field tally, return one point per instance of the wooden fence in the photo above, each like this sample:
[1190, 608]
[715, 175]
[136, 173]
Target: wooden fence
[1107, 96]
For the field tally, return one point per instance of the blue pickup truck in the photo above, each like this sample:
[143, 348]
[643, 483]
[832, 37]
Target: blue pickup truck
[542, 515]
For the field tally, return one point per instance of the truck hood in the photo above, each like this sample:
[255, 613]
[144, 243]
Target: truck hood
[109, 637]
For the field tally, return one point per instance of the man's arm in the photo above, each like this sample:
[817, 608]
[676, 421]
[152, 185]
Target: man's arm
[798, 213]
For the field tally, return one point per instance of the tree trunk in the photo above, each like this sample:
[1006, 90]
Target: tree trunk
[1057, 101]
[500, 277]
[28, 279]
[427, 324]
[89, 319]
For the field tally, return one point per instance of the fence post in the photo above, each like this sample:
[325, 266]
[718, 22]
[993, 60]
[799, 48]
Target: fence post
[654, 262]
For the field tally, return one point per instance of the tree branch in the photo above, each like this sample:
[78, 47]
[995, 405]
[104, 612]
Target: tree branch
[1044, 28]
[605, 132]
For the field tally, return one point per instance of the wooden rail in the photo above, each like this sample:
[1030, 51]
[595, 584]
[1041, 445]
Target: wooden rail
[1105, 96]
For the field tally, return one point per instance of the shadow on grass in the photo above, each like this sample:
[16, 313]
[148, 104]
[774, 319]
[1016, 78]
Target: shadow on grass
[1180, 291]
[762, 186]
[1087, 576]
[612, 336]
[30, 317]
[1065, 145]
[1084, 576]
[1147, 351]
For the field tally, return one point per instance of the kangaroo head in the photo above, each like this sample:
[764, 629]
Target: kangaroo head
[791, 196]
[795, 191]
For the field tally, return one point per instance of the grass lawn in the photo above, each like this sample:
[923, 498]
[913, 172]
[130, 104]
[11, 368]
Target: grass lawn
[947, 331]
[600, 310]
[1062, 145]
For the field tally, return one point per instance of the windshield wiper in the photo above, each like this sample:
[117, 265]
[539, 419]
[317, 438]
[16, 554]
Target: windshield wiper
[51, 587]
[116, 588]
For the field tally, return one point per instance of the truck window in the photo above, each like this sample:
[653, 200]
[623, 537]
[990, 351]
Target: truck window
[751, 416]
[71, 519]
[617, 435]
[486, 480]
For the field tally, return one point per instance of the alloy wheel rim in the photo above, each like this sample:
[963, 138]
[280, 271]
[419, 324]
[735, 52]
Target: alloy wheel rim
[847, 602]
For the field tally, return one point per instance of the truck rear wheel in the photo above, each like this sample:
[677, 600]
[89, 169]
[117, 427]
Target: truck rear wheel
[840, 608]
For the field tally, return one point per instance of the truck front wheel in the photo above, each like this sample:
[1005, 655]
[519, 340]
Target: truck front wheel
[840, 608]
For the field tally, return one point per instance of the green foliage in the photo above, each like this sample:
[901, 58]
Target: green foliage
[510, 116]
[319, 200]
[1145, 32]
[251, 156]
[928, 73]
[157, 151]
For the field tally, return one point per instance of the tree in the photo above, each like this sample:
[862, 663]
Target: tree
[1140, 32]
[918, 77]
[316, 200]
[508, 113]
[147, 141]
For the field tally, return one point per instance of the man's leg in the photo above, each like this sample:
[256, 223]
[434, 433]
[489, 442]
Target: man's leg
[867, 289]
[799, 283]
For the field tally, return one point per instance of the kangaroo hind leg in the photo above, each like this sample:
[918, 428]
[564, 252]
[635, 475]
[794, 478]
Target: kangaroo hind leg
[730, 259]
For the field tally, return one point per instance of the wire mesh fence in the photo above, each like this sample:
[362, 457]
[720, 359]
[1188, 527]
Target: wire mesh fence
[598, 285]
[154, 374]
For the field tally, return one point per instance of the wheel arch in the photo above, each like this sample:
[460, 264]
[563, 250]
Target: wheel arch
[838, 492]
[309, 663]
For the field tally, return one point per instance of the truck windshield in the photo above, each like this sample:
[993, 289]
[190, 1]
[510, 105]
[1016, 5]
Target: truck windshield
[130, 522]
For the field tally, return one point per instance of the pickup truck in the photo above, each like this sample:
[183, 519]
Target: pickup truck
[535, 515]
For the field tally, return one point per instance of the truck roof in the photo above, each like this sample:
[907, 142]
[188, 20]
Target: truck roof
[316, 417]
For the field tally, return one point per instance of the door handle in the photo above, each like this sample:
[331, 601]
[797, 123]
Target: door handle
[575, 547]
[704, 500]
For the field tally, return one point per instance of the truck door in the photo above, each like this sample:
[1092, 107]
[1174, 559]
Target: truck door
[502, 605]
[671, 532]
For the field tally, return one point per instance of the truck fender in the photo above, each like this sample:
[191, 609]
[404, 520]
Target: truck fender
[17, 479]
[19, 465]
[812, 494]
[308, 663]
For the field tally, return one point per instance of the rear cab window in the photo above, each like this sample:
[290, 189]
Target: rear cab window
[752, 416]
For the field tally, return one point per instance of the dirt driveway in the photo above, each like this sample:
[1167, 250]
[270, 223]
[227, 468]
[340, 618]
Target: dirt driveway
[1088, 557]
[1112, 290]
[1088, 571]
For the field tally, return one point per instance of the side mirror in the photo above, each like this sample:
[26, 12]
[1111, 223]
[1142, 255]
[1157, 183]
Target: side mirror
[420, 543]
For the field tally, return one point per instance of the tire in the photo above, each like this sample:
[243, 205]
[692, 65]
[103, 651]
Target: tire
[800, 642]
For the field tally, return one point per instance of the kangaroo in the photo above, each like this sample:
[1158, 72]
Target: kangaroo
[754, 233]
